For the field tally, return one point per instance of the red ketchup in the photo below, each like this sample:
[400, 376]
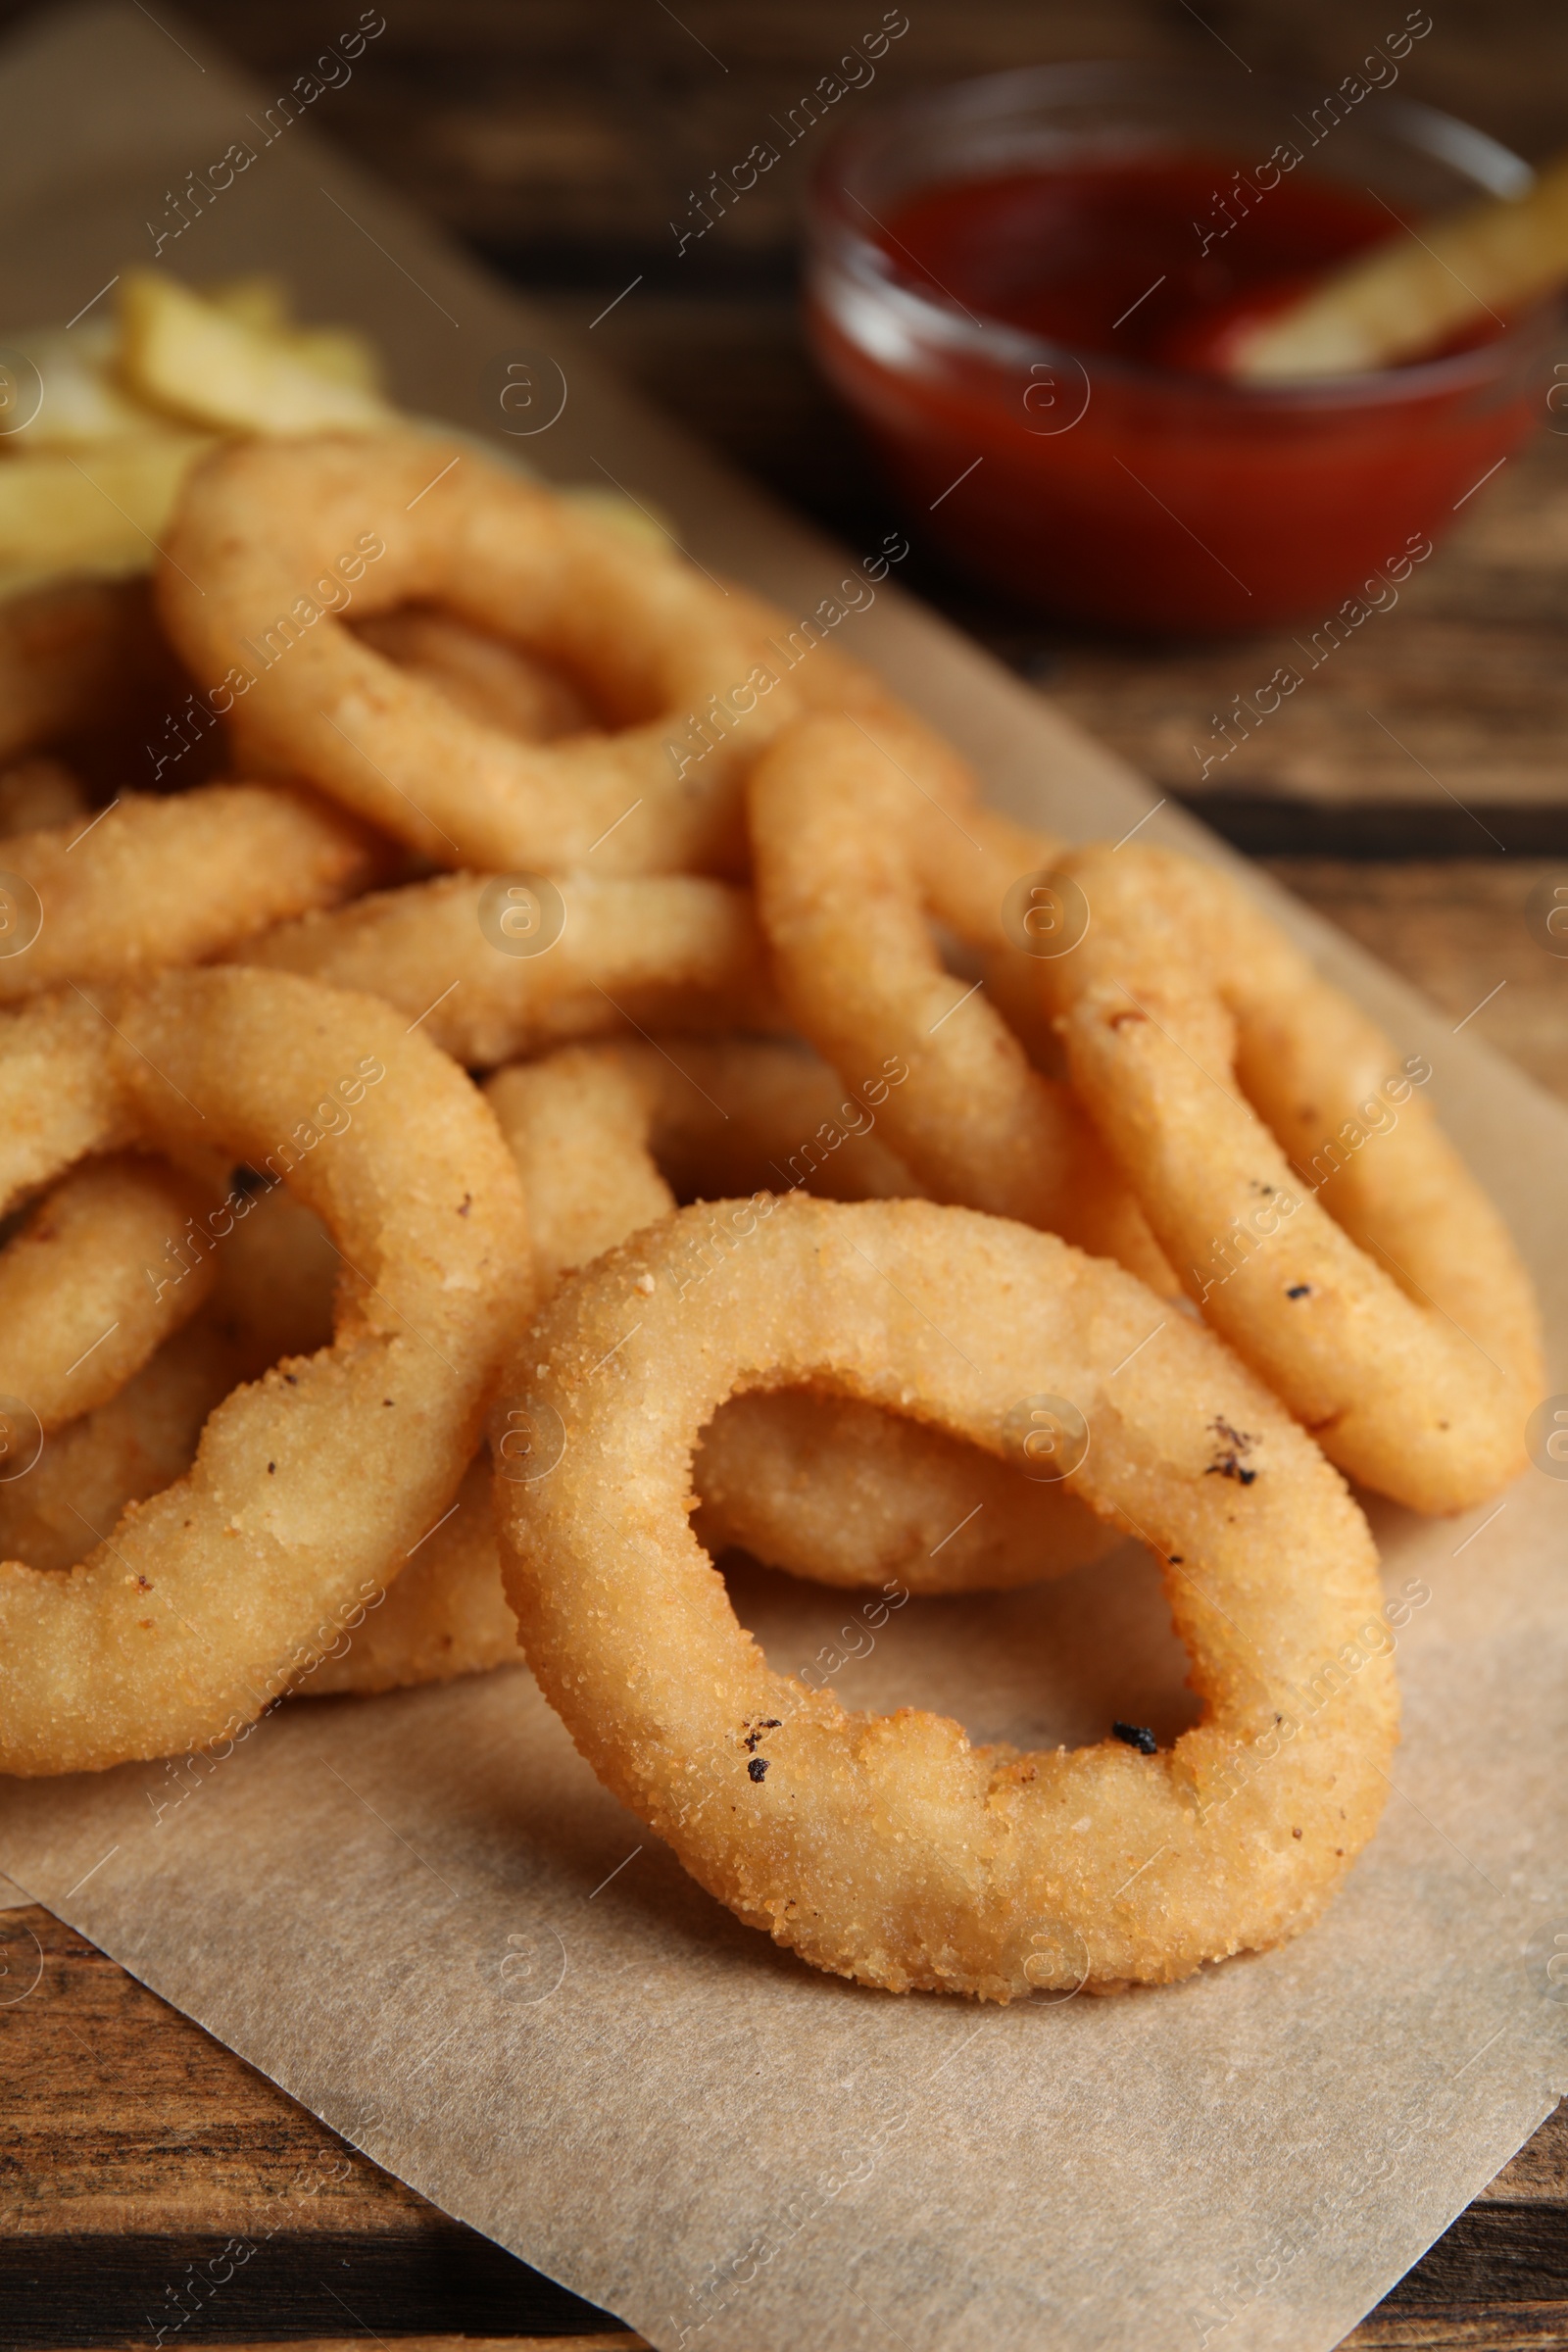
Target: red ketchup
[1124, 480]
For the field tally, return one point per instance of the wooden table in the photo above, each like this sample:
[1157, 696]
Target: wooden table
[559, 140]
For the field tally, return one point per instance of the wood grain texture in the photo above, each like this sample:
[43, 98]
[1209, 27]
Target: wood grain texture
[1486, 2328]
[1458, 929]
[618, 2340]
[148, 2176]
[563, 135]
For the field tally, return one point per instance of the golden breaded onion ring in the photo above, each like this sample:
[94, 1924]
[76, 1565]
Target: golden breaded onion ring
[94, 1281]
[77, 653]
[272, 1280]
[601, 1133]
[888, 1848]
[821, 1486]
[1298, 1180]
[853, 853]
[213, 1593]
[37, 791]
[447, 1613]
[459, 954]
[494, 682]
[652, 642]
[159, 881]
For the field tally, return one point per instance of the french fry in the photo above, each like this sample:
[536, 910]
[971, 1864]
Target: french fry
[1408, 297]
[101, 513]
[340, 352]
[207, 367]
[260, 302]
[82, 404]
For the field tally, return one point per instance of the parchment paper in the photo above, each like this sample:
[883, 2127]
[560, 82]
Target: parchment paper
[424, 1919]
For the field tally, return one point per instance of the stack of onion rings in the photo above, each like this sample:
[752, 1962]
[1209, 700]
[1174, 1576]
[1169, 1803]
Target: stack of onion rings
[824, 1487]
[307, 1486]
[606, 744]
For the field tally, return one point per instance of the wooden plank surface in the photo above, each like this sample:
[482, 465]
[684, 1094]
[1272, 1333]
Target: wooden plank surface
[141, 2160]
[149, 2176]
[1414, 788]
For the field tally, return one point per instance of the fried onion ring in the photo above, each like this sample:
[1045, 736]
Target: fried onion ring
[78, 650]
[845, 1494]
[601, 1134]
[493, 682]
[887, 1848]
[274, 1275]
[213, 1594]
[93, 1282]
[39, 792]
[156, 881]
[447, 1614]
[653, 644]
[671, 951]
[120, 1453]
[851, 854]
[820, 1487]
[1324, 1223]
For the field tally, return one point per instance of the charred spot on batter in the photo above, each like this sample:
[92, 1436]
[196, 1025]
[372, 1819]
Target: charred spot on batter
[757, 1768]
[1234, 1445]
[271, 1468]
[142, 1584]
[1136, 1734]
[1174, 1560]
[1299, 1290]
[1295, 1833]
[764, 1723]
[468, 1203]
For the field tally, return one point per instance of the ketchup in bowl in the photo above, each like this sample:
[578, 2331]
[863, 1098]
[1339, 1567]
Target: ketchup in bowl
[1024, 288]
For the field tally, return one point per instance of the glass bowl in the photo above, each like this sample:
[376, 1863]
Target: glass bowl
[1118, 489]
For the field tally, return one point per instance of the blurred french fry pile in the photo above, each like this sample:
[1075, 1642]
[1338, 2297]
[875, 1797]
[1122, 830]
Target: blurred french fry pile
[101, 422]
